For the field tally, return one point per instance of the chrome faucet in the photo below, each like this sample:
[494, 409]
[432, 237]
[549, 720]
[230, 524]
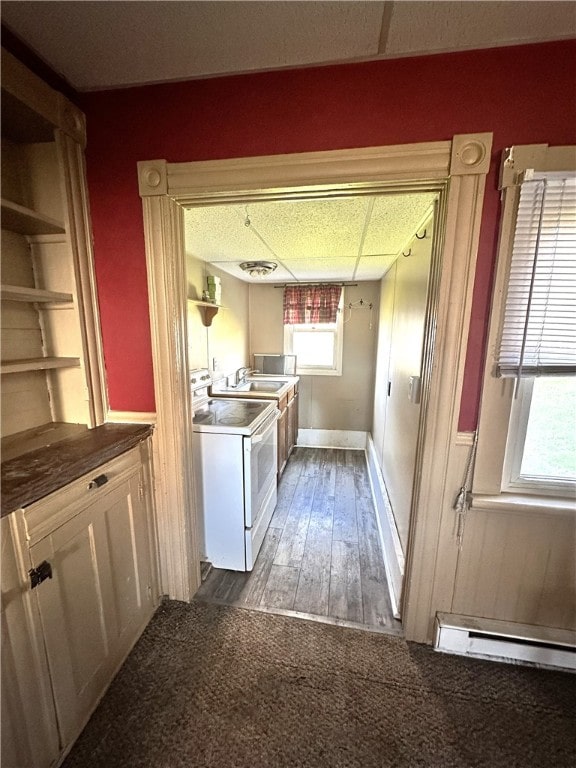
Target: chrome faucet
[241, 374]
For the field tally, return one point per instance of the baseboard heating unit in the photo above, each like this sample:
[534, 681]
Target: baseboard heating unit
[505, 641]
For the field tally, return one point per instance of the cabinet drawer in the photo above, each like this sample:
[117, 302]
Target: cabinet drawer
[47, 514]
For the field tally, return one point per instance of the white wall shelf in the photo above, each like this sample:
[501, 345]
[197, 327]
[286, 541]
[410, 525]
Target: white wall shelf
[25, 221]
[20, 293]
[38, 364]
[209, 310]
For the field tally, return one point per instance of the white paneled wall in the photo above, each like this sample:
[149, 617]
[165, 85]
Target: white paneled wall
[518, 566]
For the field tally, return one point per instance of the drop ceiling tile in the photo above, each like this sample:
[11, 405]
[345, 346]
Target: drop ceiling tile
[311, 228]
[395, 219]
[374, 268]
[424, 27]
[322, 269]
[218, 233]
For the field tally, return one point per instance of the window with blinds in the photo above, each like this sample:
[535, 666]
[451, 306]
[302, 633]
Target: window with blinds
[538, 334]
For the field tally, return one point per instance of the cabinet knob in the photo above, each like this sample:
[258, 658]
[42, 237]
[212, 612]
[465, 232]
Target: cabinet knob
[97, 482]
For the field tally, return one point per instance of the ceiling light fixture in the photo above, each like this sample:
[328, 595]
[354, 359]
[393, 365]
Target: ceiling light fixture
[258, 268]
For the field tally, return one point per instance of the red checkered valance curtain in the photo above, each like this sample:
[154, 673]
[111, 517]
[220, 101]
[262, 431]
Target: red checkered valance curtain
[311, 304]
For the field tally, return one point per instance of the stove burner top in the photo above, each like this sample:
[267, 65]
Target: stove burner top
[233, 416]
[203, 418]
[231, 420]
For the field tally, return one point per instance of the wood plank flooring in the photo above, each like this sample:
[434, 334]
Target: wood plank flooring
[321, 556]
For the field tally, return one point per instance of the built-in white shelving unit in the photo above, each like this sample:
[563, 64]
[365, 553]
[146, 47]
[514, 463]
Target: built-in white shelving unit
[51, 362]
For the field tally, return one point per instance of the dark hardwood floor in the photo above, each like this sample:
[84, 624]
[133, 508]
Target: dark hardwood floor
[321, 557]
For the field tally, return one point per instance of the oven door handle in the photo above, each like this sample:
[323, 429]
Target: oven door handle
[265, 429]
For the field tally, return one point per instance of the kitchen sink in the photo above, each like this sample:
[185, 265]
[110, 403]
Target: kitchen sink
[261, 386]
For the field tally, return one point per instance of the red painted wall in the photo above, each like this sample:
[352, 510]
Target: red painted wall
[522, 94]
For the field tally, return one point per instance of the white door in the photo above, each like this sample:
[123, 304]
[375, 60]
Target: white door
[401, 389]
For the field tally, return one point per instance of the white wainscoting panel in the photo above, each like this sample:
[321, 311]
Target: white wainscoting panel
[518, 566]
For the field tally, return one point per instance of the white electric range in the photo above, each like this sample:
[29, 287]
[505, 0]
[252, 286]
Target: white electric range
[235, 459]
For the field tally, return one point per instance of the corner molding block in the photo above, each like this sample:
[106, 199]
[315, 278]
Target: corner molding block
[152, 178]
[470, 154]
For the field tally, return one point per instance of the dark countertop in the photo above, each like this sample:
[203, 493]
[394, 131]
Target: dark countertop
[35, 474]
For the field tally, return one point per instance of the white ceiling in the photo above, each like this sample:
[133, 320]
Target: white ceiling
[352, 238]
[109, 44]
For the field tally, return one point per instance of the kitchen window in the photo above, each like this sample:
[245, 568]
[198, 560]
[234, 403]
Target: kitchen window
[313, 328]
[527, 430]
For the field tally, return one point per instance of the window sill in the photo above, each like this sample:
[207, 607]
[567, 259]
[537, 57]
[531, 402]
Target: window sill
[318, 372]
[507, 502]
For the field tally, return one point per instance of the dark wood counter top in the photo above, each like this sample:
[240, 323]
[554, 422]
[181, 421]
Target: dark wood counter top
[36, 474]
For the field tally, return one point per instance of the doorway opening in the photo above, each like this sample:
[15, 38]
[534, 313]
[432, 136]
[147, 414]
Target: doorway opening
[459, 167]
[324, 553]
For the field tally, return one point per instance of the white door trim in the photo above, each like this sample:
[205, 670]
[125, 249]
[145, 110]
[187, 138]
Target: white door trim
[460, 165]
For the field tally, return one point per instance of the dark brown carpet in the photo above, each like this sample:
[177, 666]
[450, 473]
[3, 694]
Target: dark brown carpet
[213, 686]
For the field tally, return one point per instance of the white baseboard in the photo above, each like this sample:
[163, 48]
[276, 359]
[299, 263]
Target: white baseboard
[131, 417]
[332, 438]
[394, 562]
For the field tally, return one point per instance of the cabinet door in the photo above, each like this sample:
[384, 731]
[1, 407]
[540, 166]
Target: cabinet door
[295, 416]
[282, 432]
[29, 732]
[97, 599]
[131, 565]
[292, 430]
[289, 429]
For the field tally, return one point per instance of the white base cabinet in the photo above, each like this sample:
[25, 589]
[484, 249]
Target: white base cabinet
[95, 538]
[29, 730]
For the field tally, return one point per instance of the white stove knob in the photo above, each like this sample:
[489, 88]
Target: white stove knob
[193, 381]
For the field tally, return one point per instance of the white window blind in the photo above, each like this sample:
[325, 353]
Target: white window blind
[539, 330]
